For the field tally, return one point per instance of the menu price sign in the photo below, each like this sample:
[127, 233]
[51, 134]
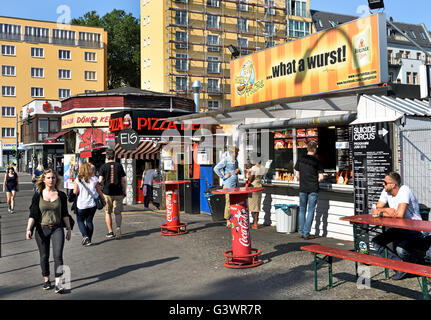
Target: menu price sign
[372, 160]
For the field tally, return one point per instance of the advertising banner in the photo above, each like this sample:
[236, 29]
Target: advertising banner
[348, 56]
[69, 171]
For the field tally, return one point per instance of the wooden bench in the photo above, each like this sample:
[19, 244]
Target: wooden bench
[423, 271]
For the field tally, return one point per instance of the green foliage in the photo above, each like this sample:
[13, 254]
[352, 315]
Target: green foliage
[124, 52]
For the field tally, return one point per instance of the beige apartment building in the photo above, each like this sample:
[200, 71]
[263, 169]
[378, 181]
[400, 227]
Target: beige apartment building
[45, 61]
[183, 41]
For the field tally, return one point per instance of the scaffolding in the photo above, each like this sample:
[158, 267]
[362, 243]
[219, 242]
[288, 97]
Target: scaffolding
[199, 53]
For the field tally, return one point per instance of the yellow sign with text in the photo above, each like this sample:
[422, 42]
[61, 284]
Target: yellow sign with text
[348, 56]
[82, 120]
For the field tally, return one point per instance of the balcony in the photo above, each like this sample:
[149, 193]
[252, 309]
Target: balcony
[10, 36]
[36, 39]
[66, 42]
[90, 44]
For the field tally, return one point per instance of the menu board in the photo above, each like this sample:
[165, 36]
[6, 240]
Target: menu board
[283, 139]
[372, 160]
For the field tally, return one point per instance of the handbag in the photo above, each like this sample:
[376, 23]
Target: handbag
[100, 203]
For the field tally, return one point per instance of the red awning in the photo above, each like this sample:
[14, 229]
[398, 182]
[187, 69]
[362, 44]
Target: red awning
[53, 138]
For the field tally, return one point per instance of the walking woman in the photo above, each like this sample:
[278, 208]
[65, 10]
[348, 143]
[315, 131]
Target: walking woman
[48, 216]
[87, 188]
[10, 185]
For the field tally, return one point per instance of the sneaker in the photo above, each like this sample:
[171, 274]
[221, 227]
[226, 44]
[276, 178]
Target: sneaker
[89, 243]
[47, 285]
[85, 240]
[110, 235]
[59, 289]
[309, 237]
[118, 233]
[399, 275]
[12, 211]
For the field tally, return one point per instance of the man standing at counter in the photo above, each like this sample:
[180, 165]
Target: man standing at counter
[309, 172]
[227, 169]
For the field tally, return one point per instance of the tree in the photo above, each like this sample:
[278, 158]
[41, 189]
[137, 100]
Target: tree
[124, 48]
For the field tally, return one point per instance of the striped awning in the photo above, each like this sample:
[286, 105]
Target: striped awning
[148, 148]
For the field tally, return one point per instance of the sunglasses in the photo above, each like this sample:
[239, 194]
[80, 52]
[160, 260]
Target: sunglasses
[385, 183]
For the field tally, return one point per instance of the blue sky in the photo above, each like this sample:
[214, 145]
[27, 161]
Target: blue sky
[413, 11]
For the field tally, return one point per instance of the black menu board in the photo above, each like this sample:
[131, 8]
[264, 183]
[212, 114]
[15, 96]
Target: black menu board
[372, 159]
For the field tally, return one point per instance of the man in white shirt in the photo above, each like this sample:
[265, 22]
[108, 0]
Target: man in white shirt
[402, 203]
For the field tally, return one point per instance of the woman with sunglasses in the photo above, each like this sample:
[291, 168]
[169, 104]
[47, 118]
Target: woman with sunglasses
[10, 185]
[49, 215]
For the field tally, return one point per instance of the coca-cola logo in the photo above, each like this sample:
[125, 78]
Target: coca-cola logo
[244, 232]
[169, 207]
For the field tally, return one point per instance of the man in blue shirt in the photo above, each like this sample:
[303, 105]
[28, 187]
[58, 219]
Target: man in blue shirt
[227, 169]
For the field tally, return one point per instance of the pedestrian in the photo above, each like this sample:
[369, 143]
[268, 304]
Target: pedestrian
[30, 167]
[309, 172]
[147, 186]
[36, 174]
[11, 187]
[254, 179]
[87, 190]
[113, 179]
[48, 216]
[402, 203]
[227, 169]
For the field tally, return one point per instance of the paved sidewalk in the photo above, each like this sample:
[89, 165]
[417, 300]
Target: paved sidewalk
[146, 265]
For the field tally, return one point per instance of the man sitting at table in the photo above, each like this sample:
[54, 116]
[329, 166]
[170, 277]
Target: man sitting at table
[402, 203]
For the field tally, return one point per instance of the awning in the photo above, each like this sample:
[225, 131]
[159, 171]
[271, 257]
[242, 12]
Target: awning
[53, 138]
[148, 148]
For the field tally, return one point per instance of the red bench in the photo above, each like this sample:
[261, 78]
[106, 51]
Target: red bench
[423, 271]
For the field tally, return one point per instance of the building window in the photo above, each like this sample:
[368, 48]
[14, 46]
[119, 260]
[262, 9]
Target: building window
[181, 83]
[63, 93]
[90, 56]
[242, 5]
[37, 92]
[297, 8]
[181, 40]
[298, 29]
[213, 65]
[242, 25]
[415, 78]
[90, 37]
[181, 18]
[8, 71]
[213, 43]
[8, 132]
[181, 63]
[8, 91]
[64, 34]
[90, 75]
[213, 86]
[213, 22]
[423, 36]
[269, 43]
[64, 54]
[213, 3]
[413, 34]
[37, 72]
[242, 43]
[408, 56]
[8, 111]
[36, 34]
[11, 29]
[64, 74]
[213, 104]
[268, 7]
[7, 50]
[270, 28]
[408, 77]
[37, 52]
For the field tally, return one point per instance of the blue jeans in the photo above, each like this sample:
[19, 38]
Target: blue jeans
[306, 199]
[85, 221]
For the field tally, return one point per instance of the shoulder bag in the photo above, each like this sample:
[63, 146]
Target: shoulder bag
[100, 203]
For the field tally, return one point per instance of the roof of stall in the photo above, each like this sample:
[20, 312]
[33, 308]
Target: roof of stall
[409, 107]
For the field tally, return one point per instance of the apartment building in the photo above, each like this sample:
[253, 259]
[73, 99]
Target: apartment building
[183, 41]
[404, 58]
[49, 61]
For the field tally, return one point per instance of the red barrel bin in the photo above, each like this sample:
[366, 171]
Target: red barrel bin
[173, 225]
[242, 254]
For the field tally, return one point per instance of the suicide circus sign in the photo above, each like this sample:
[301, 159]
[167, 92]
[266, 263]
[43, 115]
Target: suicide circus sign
[348, 56]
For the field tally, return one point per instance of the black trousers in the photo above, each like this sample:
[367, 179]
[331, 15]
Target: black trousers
[44, 236]
[149, 196]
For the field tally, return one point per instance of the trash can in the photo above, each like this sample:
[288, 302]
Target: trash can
[216, 203]
[286, 217]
